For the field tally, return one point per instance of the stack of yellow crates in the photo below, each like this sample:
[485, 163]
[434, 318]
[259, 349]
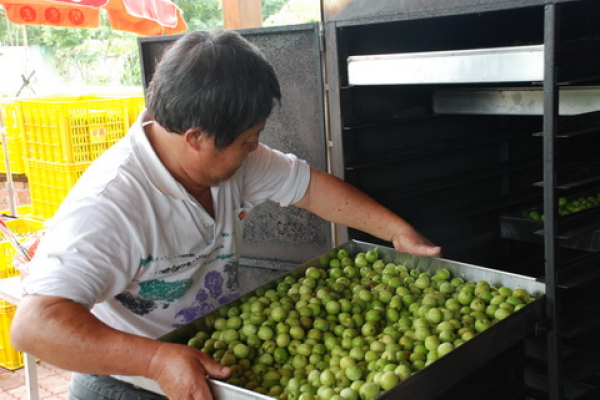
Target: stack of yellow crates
[14, 138]
[53, 139]
[63, 135]
[23, 228]
[10, 358]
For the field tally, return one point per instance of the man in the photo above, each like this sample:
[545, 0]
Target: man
[148, 239]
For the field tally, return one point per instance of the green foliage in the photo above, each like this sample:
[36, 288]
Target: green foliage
[271, 7]
[201, 14]
[99, 57]
[295, 12]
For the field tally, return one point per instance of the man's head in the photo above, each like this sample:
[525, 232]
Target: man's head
[217, 81]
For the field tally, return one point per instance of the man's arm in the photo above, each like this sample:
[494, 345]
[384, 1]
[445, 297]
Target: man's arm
[64, 333]
[337, 201]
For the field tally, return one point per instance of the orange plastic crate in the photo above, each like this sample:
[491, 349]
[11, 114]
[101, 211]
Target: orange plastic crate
[14, 138]
[9, 357]
[49, 184]
[75, 129]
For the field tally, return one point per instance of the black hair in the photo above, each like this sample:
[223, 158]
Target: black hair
[215, 80]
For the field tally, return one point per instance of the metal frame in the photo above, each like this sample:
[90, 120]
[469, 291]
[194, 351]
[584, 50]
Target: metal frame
[551, 248]
[346, 16]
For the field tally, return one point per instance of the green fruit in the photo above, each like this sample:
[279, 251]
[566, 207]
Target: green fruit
[353, 372]
[369, 391]
[432, 342]
[241, 350]
[522, 295]
[371, 256]
[388, 380]
[444, 348]
[477, 304]
[502, 313]
[422, 282]
[352, 330]
[333, 307]
[447, 335]
[482, 324]
[349, 394]
[265, 333]
[342, 253]
[403, 371]
[327, 378]
[196, 342]
[434, 315]
[465, 298]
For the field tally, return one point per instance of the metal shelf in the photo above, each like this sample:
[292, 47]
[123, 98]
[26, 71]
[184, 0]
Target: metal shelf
[494, 65]
[514, 101]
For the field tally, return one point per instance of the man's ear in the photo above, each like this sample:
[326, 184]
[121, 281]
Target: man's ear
[195, 137]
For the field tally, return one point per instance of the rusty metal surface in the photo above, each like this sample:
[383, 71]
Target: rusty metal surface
[290, 234]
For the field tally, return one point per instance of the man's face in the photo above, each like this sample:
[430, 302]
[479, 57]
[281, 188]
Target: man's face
[218, 165]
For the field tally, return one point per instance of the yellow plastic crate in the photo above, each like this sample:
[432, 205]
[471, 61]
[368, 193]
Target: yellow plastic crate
[14, 138]
[24, 210]
[49, 184]
[9, 357]
[72, 129]
[137, 103]
[22, 228]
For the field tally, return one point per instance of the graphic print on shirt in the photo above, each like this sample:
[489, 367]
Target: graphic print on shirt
[153, 294]
[219, 285]
[212, 290]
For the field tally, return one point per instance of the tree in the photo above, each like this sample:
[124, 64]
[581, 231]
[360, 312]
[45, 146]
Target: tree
[202, 14]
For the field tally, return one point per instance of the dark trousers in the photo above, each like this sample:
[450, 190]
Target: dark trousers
[103, 387]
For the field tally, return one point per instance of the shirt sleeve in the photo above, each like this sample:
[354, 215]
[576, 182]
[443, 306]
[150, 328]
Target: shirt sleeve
[269, 174]
[82, 257]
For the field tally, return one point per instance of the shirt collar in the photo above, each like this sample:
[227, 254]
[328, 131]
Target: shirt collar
[155, 171]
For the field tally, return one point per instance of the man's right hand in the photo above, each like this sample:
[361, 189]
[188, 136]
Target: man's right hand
[181, 372]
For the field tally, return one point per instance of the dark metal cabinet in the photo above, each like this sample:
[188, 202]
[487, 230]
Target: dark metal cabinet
[463, 148]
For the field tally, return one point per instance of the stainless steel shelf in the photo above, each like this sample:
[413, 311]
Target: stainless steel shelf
[514, 101]
[494, 65]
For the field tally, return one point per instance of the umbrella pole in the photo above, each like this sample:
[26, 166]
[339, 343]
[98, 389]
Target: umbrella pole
[9, 181]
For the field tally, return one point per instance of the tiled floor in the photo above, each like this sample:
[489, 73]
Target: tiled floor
[53, 383]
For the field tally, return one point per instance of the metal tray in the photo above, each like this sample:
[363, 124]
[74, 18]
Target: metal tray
[502, 64]
[579, 230]
[514, 101]
[446, 371]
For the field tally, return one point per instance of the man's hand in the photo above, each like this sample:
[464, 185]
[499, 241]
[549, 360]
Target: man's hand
[181, 372]
[339, 202]
[408, 240]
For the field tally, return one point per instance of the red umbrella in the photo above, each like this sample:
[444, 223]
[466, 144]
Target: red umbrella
[144, 17]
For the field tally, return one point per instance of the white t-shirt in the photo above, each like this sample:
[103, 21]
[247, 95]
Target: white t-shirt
[131, 244]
